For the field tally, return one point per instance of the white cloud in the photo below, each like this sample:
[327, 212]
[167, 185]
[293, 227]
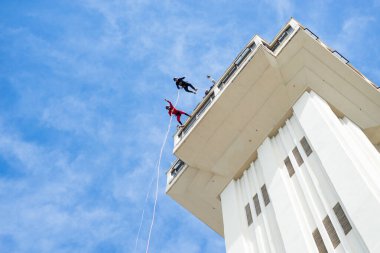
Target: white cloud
[352, 32]
[283, 8]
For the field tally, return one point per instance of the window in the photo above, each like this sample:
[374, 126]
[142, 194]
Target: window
[289, 166]
[249, 214]
[188, 125]
[298, 157]
[306, 147]
[275, 46]
[265, 195]
[227, 76]
[257, 204]
[282, 37]
[342, 218]
[242, 56]
[331, 231]
[319, 241]
[177, 167]
[205, 105]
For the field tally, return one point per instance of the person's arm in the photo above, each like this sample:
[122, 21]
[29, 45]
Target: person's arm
[170, 107]
[170, 103]
[176, 83]
[181, 79]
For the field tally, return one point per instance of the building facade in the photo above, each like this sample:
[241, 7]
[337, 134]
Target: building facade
[283, 154]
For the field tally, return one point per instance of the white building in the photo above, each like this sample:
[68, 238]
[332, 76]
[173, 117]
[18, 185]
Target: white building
[283, 154]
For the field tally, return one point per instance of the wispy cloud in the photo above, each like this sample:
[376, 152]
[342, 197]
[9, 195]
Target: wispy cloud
[82, 117]
[353, 30]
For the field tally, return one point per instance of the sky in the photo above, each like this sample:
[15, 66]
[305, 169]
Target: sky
[82, 118]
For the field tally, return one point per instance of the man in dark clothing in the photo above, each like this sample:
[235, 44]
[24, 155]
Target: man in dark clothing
[173, 111]
[180, 83]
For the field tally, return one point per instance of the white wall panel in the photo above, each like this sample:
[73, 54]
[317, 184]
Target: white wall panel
[343, 167]
[325, 132]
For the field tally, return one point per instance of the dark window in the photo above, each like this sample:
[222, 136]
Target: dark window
[298, 157]
[275, 46]
[282, 37]
[289, 166]
[249, 214]
[306, 147]
[257, 204]
[252, 46]
[178, 166]
[265, 195]
[205, 105]
[189, 125]
[319, 241]
[242, 56]
[331, 231]
[342, 218]
[227, 76]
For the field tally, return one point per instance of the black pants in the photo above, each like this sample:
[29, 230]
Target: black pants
[186, 87]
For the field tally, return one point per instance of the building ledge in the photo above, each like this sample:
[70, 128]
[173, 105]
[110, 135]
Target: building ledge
[250, 102]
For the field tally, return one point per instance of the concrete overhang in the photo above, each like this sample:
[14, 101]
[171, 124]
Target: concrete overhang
[253, 105]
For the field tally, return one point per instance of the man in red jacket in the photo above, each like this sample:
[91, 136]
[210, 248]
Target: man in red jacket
[173, 111]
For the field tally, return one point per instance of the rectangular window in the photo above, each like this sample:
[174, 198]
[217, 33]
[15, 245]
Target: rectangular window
[289, 166]
[342, 218]
[257, 204]
[249, 214]
[177, 167]
[319, 241]
[306, 147]
[331, 231]
[298, 157]
[265, 194]
[242, 56]
[227, 76]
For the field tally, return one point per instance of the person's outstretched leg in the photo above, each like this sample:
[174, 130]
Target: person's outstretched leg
[189, 84]
[182, 112]
[179, 118]
[186, 88]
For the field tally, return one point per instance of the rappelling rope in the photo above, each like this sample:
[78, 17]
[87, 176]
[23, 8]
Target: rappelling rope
[142, 214]
[158, 177]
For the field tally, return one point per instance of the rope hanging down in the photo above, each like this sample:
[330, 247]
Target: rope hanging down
[158, 178]
[142, 215]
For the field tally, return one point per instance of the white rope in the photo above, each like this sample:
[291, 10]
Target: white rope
[158, 178]
[142, 215]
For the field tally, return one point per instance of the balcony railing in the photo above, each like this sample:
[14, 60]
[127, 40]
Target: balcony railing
[289, 30]
[198, 113]
[239, 59]
[339, 56]
[237, 64]
[176, 167]
[212, 93]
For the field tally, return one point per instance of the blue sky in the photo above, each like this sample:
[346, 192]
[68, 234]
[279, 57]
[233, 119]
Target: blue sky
[82, 114]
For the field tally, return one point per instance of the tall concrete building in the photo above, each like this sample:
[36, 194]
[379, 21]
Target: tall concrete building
[282, 155]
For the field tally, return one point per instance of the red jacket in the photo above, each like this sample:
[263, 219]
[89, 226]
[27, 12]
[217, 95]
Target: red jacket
[172, 110]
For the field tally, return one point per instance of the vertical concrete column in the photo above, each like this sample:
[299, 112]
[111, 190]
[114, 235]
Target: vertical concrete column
[233, 219]
[325, 132]
[289, 220]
